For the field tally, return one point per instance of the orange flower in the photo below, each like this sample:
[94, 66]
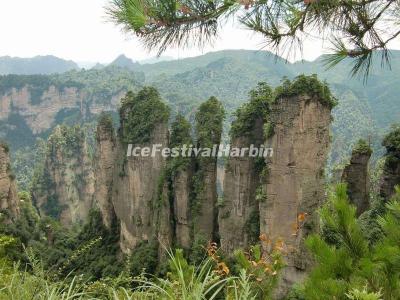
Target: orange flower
[301, 217]
[223, 268]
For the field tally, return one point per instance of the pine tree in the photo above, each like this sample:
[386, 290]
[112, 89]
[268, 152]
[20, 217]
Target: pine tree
[356, 27]
[352, 267]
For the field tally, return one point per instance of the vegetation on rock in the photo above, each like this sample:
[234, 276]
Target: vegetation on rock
[392, 140]
[139, 115]
[248, 113]
[307, 85]
[362, 147]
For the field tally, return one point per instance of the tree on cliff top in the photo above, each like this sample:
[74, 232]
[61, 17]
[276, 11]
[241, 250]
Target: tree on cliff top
[209, 119]
[256, 108]
[140, 113]
[355, 27]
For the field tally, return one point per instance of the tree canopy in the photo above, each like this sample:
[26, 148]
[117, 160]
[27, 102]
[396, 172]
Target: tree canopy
[356, 28]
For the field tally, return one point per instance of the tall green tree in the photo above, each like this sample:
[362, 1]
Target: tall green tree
[355, 27]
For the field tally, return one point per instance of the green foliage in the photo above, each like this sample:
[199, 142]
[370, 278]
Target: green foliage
[140, 113]
[362, 147]
[186, 281]
[392, 144]
[352, 264]
[97, 250]
[180, 135]
[392, 140]
[209, 120]
[8, 245]
[144, 258]
[28, 163]
[52, 207]
[209, 125]
[198, 254]
[5, 146]
[106, 121]
[262, 270]
[16, 131]
[24, 286]
[180, 132]
[91, 251]
[307, 85]
[252, 226]
[249, 113]
[67, 139]
[356, 294]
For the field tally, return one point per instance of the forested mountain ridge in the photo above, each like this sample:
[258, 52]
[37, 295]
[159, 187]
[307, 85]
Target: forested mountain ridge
[31, 106]
[36, 65]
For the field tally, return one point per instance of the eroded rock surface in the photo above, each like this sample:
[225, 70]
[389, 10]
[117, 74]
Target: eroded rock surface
[9, 202]
[295, 184]
[239, 215]
[136, 190]
[391, 171]
[66, 187]
[104, 170]
[40, 114]
[356, 175]
[182, 190]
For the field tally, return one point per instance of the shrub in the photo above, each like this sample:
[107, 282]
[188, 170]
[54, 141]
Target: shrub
[362, 147]
[140, 113]
[392, 140]
[248, 113]
[307, 85]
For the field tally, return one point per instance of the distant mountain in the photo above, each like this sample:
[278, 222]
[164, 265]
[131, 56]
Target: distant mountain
[365, 110]
[36, 65]
[98, 66]
[155, 60]
[125, 62]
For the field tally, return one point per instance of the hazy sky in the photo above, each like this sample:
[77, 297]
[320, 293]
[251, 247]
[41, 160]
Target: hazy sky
[78, 30]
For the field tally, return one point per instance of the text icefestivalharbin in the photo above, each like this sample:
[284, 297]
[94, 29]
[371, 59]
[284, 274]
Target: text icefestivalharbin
[191, 151]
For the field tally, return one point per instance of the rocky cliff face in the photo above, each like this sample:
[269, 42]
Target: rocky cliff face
[206, 212]
[164, 221]
[182, 184]
[390, 177]
[139, 180]
[104, 168]
[40, 115]
[238, 217]
[295, 180]
[136, 190]
[356, 176]
[9, 202]
[391, 171]
[209, 129]
[66, 186]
